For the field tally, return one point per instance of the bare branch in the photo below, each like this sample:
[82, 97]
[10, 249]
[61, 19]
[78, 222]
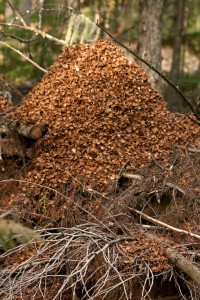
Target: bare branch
[37, 31]
[16, 13]
[24, 56]
[6, 213]
[40, 10]
[19, 38]
[131, 176]
[166, 183]
[84, 248]
[146, 217]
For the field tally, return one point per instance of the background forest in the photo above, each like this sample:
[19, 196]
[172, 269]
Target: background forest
[180, 38]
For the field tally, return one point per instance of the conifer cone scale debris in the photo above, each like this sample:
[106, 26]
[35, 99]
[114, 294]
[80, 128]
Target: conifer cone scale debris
[4, 104]
[101, 112]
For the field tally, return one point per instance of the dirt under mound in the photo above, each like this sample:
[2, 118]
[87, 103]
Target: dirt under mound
[101, 113]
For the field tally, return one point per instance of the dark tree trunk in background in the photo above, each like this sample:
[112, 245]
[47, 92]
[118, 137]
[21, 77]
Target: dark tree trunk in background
[149, 37]
[178, 28]
[24, 6]
[178, 34]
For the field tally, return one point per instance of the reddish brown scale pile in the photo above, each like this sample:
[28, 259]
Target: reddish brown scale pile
[4, 104]
[101, 112]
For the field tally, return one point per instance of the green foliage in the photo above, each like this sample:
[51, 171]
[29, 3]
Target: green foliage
[12, 233]
[188, 82]
[192, 40]
[44, 203]
[193, 11]
[14, 68]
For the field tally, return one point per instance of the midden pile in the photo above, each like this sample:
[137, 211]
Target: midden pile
[101, 113]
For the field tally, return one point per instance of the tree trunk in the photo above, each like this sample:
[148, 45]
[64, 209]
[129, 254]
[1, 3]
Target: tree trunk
[178, 27]
[149, 37]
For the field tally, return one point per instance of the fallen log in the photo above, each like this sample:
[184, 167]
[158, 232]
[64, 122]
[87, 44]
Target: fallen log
[174, 256]
[33, 132]
[17, 139]
[30, 131]
[178, 260]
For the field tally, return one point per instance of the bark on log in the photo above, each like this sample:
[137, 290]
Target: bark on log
[175, 257]
[33, 132]
[183, 264]
[29, 131]
[178, 260]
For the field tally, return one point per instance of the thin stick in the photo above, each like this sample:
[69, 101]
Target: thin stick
[6, 213]
[37, 31]
[17, 14]
[167, 183]
[131, 176]
[24, 56]
[163, 224]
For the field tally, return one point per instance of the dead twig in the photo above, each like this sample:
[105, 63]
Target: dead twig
[37, 32]
[18, 16]
[24, 56]
[167, 183]
[7, 111]
[131, 176]
[6, 213]
[152, 220]
[81, 247]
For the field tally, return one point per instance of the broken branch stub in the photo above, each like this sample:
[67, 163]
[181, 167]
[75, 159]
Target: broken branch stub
[30, 131]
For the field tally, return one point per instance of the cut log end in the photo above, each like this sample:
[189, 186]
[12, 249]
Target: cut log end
[30, 131]
[36, 131]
